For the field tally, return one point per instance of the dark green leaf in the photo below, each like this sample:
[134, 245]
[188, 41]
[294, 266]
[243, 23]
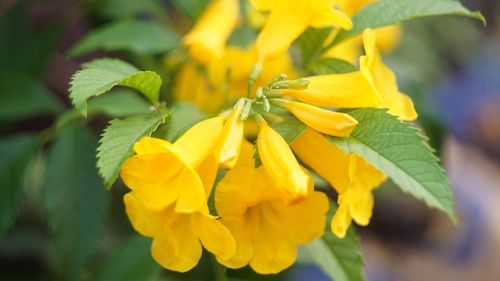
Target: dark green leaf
[401, 152]
[23, 96]
[388, 12]
[140, 37]
[76, 201]
[191, 8]
[130, 262]
[17, 152]
[311, 43]
[290, 129]
[117, 142]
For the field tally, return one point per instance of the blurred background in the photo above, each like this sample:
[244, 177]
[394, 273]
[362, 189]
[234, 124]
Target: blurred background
[450, 66]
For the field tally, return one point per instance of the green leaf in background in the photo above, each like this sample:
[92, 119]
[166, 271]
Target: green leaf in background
[331, 66]
[290, 129]
[139, 37]
[77, 204]
[191, 8]
[388, 12]
[183, 116]
[99, 76]
[130, 262]
[339, 258]
[311, 43]
[400, 152]
[17, 152]
[119, 9]
[117, 142]
[23, 96]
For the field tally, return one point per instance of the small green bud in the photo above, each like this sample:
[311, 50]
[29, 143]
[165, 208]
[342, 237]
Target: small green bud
[298, 84]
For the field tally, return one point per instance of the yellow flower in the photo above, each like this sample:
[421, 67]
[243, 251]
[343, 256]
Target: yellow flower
[322, 120]
[223, 80]
[350, 175]
[384, 80]
[207, 39]
[289, 18]
[267, 232]
[232, 136]
[162, 173]
[374, 85]
[356, 202]
[281, 165]
[178, 237]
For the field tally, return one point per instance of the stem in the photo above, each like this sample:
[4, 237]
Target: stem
[256, 70]
[219, 270]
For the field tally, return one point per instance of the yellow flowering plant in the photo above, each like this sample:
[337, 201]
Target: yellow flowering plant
[225, 156]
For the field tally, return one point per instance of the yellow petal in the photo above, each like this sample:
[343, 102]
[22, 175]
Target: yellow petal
[389, 37]
[322, 120]
[159, 178]
[281, 165]
[385, 81]
[288, 19]
[262, 5]
[272, 254]
[207, 172]
[231, 139]
[151, 145]
[178, 248]
[326, 159]
[146, 222]
[347, 90]
[200, 140]
[214, 236]
[207, 39]
[341, 221]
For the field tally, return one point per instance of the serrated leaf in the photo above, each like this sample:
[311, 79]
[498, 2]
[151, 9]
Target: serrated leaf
[99, 76]
[388, 12]
[326, 66]
[132, 261]
[399, 151]
[77, 204]
[117, 141]
[17, 152]
[183, 116]
[140, 37]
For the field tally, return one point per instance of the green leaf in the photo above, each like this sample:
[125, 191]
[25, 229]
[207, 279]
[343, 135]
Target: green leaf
[17, 152]
[139, 37]
[77, 204]
[23, 96]
[388, 12]
[311, 43]
[191, 8]
[331, 66]
[117, 9]
[99, 76]
[183, 116]
[130, 262]
[290, 129]
[117, 141]
[339, 258]
[401, 152]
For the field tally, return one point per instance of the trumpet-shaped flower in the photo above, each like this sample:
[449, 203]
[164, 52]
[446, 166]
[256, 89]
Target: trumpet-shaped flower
[267, 231]
[178, 237]
[351, 176]
[374, 85]
[281, 165]
[289, 18]
[322, 120]
[162, 173]
[207, 39]
[232, 136]
[384, 80]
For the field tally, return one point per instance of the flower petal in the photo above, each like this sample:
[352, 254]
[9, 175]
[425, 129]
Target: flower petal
[214, 236]
[146, 222]
[231, 139]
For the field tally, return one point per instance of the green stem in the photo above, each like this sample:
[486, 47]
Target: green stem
[219, 270]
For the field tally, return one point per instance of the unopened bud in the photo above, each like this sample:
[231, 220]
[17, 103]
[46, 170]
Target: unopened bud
[299, 84]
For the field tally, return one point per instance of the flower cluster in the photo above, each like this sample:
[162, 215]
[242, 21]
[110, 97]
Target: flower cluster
[263, 209]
